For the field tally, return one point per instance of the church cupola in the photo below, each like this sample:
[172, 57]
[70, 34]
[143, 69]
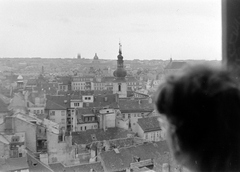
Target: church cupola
[120, 72]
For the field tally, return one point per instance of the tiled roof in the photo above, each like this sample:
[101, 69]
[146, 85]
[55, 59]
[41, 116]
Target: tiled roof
[128, 105]
[113, 161]
[84, 137]
[37, 166]
[57, 102]
[50, 105]
[14, 164]
[105, 100]
[97, 167]
[175, 65]
[3, 106]
[57, 167]
[102, 92]
[84, 111]
[149, 124]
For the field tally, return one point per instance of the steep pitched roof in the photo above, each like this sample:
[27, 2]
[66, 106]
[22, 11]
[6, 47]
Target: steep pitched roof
[149, 124]
[59, 102]
[85, 137]
[114, 161]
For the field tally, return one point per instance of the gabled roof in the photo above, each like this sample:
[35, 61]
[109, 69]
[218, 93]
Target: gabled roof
[84, 137]
[128, 105]
[175, 65]
[120, 161]
[149, 124]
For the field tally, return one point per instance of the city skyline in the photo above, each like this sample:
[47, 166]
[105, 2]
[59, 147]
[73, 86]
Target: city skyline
[146, 29]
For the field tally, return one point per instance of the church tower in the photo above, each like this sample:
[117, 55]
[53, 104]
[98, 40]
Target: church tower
[119, 83]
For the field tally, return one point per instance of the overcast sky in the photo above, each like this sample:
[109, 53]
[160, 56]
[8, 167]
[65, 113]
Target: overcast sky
[147, 29]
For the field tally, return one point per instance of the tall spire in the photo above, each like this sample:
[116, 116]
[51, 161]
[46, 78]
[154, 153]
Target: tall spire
[120, 48]
[120, 72]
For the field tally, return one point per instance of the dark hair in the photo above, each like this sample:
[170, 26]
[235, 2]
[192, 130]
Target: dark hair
[203, 103]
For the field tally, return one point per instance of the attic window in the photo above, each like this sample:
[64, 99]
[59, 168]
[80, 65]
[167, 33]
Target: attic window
[93, 137]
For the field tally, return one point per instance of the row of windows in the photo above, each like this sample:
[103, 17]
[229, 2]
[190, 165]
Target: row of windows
[52, 113]
[82, 79]
[77, 83]
[82, 128]
[38, 111]
[129, 115]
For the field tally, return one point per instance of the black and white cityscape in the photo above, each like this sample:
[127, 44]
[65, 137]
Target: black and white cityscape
[78, 80]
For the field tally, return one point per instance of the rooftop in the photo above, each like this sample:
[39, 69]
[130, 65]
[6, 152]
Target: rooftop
[149, 124]
[128, 105]
[14, 164]
[84, 137]
[120, 160]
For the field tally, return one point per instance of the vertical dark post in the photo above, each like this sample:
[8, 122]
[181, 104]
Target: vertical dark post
[231, 36]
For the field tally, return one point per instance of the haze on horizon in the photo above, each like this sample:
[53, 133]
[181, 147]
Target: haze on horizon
[147, 29]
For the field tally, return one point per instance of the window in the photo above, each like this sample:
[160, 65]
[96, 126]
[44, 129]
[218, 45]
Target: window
[129, 115]
[81, 128]
[63, 113]
[123, 115]
[76, 104]
[85, 127]
[119, 87]
[52, 113]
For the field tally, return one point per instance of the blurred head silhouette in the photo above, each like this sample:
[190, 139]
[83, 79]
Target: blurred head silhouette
[201, 106]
